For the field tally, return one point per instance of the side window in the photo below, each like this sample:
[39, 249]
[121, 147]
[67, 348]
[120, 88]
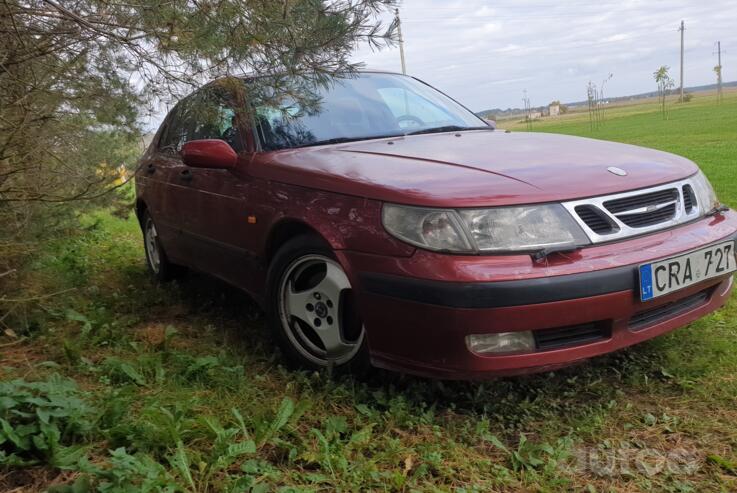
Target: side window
[175, 133]
[207, 114]
[280, 127]
[213, 116]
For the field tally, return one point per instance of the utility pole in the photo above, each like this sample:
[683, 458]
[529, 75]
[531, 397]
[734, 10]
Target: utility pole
[601, 97]
[401, 39]
[682, 29]
[718, 69]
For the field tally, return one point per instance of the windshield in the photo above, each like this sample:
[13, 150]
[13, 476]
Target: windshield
[371, 105]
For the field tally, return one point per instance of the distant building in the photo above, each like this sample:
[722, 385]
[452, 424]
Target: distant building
[554, 110]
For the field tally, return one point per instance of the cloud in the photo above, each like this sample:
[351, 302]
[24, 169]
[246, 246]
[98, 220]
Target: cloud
[486, 53]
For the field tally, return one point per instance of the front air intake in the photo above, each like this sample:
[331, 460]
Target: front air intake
[689, 199]
[596, 219]
[573, 335]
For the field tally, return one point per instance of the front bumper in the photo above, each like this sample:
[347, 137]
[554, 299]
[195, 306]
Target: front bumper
[418, 310]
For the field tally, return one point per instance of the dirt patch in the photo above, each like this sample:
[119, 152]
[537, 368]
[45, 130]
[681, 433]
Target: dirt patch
[19, 353]
[153, 334]
[32, 480]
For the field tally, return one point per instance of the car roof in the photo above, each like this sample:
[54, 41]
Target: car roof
[362, 71]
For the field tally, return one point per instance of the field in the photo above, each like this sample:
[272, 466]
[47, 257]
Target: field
[700, 130]
[121, 385]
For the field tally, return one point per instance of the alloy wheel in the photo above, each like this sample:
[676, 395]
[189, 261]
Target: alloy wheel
[316, 311]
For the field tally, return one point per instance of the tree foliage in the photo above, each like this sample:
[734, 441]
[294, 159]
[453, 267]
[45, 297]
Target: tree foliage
[77, 76]
[718, 72]
[665, 84]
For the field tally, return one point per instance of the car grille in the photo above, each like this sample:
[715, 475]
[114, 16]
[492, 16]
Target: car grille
[644, 210]
[657, 216]
[596, 219]
[574, 335]
[653, 316]
[634, 202]
[633, 213]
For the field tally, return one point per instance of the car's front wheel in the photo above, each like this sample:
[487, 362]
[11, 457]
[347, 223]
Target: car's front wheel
[312, 308]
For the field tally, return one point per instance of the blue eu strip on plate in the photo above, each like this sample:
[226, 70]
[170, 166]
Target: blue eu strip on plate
[646, 282]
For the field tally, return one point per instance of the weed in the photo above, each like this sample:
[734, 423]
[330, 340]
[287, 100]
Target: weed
[129, 473]
[43, 423]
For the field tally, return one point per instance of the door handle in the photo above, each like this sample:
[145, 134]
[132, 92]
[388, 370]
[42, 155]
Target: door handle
[186, 175]
[151, 169]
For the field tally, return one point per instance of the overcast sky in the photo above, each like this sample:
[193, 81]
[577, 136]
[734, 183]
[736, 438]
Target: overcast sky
[485, 53]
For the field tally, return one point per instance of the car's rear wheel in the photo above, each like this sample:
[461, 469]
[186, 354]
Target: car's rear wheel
[156, 260]
[312, 308]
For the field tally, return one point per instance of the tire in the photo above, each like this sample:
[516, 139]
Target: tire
[311, 309]
[156, 260]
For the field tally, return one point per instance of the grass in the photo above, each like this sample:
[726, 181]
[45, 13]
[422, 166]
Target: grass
[117, 384]
[700, 130]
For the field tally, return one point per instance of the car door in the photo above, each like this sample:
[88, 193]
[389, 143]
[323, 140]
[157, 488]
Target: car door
[162, 172]
[214, 201]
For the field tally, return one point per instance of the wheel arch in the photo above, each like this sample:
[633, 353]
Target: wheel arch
[141, 208]
[286, 229]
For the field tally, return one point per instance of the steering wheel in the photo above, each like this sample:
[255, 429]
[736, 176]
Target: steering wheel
[411, 121]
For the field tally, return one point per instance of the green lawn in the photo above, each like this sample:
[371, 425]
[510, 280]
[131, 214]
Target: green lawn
[112, 383]
[700, 130]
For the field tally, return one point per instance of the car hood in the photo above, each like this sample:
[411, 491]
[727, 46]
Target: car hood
[475, 168]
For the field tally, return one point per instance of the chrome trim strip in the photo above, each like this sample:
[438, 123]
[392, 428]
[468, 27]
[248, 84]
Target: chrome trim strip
[622, 230]
[645, 210]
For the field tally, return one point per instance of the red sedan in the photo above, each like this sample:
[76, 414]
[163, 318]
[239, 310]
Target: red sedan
[379, 221]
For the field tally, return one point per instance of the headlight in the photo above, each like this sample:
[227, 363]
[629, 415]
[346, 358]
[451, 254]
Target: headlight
[499, 229]
[705, 195]
[533, 227]
[434, 229]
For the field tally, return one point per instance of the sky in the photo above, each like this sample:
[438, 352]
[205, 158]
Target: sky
[486, 53]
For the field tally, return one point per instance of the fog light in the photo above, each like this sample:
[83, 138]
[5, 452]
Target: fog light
[503, 342]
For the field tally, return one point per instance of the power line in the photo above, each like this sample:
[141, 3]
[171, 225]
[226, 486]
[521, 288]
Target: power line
[568, 45]
[682, 29]
[453, 15]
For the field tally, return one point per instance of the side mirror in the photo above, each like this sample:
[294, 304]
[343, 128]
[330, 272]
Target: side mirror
[209, 153]
[491, 123]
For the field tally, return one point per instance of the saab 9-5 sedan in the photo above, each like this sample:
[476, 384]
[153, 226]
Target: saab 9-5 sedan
[381, 222]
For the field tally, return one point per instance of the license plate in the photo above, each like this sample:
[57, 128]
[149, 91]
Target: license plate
[665, 276]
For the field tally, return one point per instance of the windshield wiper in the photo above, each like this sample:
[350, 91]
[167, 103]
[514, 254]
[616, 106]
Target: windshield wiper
[543, 253]
[446, 128]
[341, 140]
